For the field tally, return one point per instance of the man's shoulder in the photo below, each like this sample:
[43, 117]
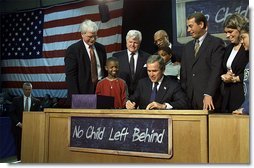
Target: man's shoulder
[78, 43]
[145, 81]
[146, 54]
[99, 45]
[214, 38]
[17, 98]
[36, 99]
[171, 80]
[119, 53]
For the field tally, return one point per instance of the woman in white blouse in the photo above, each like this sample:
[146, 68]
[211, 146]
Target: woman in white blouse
[235, 60]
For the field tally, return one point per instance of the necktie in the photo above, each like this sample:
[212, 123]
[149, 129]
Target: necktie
[196, 48]
[154, 92]
[132, 65]
[94, 73]
[26, 104]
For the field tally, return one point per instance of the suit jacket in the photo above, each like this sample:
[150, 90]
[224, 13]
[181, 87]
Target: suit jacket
[78, 68]
[124, 68]
[169, 92]
[201, 74]
[233, 93]
[17, 108]
[16, 115]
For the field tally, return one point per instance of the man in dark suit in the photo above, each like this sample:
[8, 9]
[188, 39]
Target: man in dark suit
[157, 91]
[201, 65]
[20, 104]
[85, 61]
[125, 57]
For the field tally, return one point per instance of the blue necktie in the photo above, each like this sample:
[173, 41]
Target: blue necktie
[154, 92]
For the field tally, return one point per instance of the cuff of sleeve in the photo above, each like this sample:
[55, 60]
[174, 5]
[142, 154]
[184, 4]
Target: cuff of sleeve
[19, 123]
[168, 106]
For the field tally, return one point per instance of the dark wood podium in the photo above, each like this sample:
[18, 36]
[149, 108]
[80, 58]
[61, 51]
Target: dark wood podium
[45, 138]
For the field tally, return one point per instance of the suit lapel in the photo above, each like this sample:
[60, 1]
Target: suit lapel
[126, 64]
[22, 103]
[99, 54]
[162, 90]
[201, 49]
[84, 55]
[139, 63]
[237, 58]
[31, 107]
[192, 54]
[150, 86]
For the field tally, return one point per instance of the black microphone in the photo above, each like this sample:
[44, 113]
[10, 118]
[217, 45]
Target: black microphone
[104, 12]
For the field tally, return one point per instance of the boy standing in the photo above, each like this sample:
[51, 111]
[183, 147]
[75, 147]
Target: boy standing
[112, 85]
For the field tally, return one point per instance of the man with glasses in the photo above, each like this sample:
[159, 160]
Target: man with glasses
[85, 61]
[161, 39]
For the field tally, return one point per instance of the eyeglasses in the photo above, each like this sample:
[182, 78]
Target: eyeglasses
[92, 37]
[159, 40]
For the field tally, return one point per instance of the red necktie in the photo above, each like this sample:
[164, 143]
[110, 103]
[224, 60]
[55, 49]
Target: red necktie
[94, 73]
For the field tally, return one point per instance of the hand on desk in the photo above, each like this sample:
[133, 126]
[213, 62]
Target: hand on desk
[130, 105]
[238, 111]
[155, 105]
[208, 103]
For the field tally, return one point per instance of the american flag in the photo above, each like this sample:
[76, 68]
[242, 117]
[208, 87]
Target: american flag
[33, 43]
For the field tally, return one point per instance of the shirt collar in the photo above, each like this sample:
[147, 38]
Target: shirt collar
[201, 39]
[129, 53]
[27, 97]
[87, 46]
[160, 81]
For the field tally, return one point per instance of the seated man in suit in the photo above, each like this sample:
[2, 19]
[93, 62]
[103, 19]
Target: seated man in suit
[26, 102]
[157, 91]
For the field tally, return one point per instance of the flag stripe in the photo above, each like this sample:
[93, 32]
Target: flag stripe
[79, 19]
[37, 85]
[77, 35]
[32, 62]
[35, 77]
[62, 44]
[33, 70]
[71, 6]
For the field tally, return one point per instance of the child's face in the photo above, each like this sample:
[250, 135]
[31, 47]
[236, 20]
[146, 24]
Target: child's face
[245, 40]
[112, 67]
[164, 55]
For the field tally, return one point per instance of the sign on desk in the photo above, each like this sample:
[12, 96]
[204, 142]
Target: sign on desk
[138, 135]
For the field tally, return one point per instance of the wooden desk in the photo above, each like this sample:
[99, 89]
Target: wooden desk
[49, 142]
[229, 139]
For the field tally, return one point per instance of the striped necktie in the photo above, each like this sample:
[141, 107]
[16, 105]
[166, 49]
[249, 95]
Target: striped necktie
[196, 48]
[94, 73]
